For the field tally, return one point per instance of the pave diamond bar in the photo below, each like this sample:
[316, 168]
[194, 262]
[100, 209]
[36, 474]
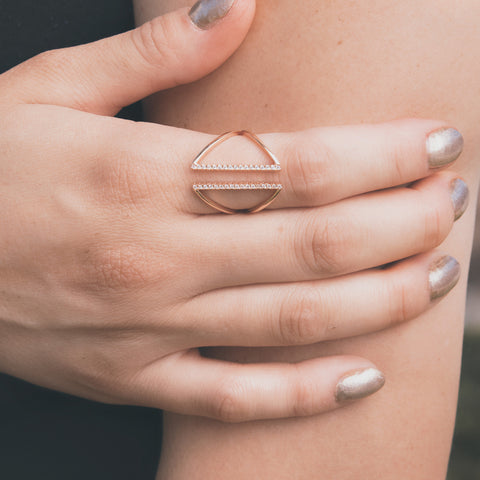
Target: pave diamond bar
[242, 167]
[238, 186]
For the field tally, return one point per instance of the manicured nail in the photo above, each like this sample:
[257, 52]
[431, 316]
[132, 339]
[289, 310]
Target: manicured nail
[443, 276]
[459, 196]
[206, 12]
[359, 384]
[444, 146]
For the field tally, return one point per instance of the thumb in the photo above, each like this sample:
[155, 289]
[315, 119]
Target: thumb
[104, 76]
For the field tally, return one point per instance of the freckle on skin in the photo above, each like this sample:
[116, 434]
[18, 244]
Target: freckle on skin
[339, 42]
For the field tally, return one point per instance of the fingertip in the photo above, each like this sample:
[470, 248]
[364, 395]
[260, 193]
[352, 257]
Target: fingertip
[444, 145]
[211, 31]
[440, 143]
[418, 283]
[220, 27]
[206, 14]
[339, 380]
[359, 384]
[443, 275]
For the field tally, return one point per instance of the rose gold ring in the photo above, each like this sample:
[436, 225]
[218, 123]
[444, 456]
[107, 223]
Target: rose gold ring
[201, 188]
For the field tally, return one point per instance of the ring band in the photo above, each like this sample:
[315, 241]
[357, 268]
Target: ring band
[274, 166]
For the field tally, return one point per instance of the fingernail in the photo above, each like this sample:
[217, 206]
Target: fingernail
[205, 12]
[359, 384]
[444, 146]
[459, 196]
[443, 276]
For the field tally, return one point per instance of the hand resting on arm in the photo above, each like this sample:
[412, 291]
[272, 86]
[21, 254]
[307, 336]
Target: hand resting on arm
[114, 273]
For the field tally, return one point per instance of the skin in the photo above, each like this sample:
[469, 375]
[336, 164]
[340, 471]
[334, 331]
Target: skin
[351, 62]
[111, 265]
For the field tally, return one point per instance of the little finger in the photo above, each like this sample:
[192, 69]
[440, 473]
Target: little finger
[189, 384]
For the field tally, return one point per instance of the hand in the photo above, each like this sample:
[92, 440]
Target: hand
[113, 272]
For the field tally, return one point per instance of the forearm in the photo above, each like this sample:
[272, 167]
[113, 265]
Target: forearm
[322, 63]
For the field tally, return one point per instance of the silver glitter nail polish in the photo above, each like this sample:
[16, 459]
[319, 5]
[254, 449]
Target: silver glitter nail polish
[206, 12]
[444, 146]
[459, 196]
[359, 384]
[443, 275]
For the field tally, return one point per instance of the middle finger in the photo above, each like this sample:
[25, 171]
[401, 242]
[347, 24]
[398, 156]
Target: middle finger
[348, 236]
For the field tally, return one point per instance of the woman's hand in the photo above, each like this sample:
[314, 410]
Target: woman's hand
[114, 272]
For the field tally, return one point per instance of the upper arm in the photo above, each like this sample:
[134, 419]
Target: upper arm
[325, 63]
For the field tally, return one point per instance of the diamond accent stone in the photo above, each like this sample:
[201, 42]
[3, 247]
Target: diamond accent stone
[243, 167]
[238, 186]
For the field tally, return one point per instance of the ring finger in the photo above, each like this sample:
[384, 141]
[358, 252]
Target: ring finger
[321, 310]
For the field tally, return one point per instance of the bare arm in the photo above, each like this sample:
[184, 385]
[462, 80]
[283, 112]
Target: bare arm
[314, 63]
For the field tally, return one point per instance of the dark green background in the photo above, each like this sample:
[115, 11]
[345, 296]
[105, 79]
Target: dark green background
[465, 458]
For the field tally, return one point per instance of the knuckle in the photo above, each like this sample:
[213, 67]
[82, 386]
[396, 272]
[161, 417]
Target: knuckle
[433, 227]
[396, 151]
[155, 42]
[319, 245]
[399, 303]
[47, 60]
[50, 65]
[400, 170]
[299, 317]
[57, 66]
[228, 405]
[308, 168]
[303, 394]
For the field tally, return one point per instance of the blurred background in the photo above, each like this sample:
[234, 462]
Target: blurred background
[465, 458]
